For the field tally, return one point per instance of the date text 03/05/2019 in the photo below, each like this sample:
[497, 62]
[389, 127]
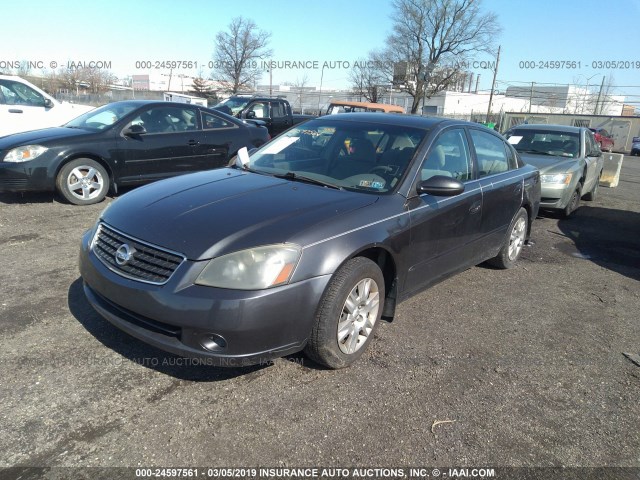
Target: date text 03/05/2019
[578, 65]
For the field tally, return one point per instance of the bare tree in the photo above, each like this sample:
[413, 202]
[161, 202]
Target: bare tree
[299, 85]
[370, 77]
[237, 53]
[433, 39]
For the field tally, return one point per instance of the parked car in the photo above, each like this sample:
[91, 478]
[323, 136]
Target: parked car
[569, 160]
[275, 112]
[308, 241]
[23, 107]
[603, 138]
[122, 144]
[339, 106]
[635, 146]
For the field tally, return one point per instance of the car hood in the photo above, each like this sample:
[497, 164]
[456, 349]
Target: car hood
[208, 214]
[34, 137]
[546, 163]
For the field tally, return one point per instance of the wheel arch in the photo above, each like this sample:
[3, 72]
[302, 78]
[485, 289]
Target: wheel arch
[90, 156]
[387, 264]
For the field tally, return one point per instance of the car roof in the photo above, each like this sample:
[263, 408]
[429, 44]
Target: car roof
[552, 128]
[414, 121]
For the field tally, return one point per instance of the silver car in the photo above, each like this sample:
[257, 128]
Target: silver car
[569, 160]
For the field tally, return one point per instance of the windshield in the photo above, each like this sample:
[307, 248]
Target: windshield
[545, 142]
[102, 117]
[351, 155]
[232, 105]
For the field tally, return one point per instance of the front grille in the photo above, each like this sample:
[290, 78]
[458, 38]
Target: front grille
[147, 263]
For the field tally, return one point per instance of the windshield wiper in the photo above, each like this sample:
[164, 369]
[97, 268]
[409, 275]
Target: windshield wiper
[538, 152]
[301, 178]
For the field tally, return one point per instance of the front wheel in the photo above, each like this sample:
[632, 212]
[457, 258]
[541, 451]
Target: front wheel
[574, 202]
[83, 181]
[514, 242]
[348, 315]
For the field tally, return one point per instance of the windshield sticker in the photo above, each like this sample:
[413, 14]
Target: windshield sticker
[278, 145]
[371, 184]
[515, 139]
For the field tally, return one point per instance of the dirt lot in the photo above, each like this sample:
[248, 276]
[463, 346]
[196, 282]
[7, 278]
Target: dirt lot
[526, 366]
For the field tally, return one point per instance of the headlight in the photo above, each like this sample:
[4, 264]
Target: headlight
[252, 269]
[558, 179]
[24, 154]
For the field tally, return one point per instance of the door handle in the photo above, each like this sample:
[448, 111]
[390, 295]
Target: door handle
[475, 208]
[15, 110]
[518, 189]
[193, 143]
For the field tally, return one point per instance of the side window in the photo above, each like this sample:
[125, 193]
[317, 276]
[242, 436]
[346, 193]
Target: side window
[490, 152]
[511, 156]
[277, 110]
[210, 121]
[590, 143]
[16, 93]
[160, 119]
[448, 156]
[260, 109]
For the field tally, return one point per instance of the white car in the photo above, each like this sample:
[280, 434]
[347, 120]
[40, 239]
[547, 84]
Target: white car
[23, 107]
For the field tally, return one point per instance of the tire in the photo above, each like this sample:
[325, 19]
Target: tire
[593, 194]
[332, 342]
[574, 202]
[514, 242]
[83, 182]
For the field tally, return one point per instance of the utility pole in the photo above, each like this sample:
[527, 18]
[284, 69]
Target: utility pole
[595, 110]
[493, 85]
[531, 97]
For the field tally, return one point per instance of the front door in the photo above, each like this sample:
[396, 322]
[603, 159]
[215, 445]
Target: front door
[444, 229]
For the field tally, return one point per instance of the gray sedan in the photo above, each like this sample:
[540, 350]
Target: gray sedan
[309, 241]
[569, 160]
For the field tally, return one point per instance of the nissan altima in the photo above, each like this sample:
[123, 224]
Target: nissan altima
[122, 144]
[309, 241]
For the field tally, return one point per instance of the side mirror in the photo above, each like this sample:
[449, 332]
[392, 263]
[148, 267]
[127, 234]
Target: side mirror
[48, 103]
[251, 114]
[441, 186]
[134, 130]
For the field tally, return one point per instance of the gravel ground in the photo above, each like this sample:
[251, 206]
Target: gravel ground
[525, 367]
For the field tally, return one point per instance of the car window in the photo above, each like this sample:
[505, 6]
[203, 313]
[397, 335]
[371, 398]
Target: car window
[210, 121]
[490, 153]
[261, 109]
[353, 156]
[161, 119]
[102, 117]
[16, 93]
[277, 110]
[545, 142]
[591, 144]
[448, 156]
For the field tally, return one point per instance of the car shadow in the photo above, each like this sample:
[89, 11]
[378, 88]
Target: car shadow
[23, 198]
[141, 353]
[608, 237]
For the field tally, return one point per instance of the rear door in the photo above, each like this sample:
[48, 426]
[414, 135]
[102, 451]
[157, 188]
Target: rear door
[280, 117]
[501, 184]
[218, 138]
[593, 159]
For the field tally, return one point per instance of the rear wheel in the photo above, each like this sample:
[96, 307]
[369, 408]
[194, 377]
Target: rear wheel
[83, 181]
[514, 242]
[574, 202]
[348, 315]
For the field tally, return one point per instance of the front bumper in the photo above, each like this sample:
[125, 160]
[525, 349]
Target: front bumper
[555, 196]
[248, 327]
[24, 177]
